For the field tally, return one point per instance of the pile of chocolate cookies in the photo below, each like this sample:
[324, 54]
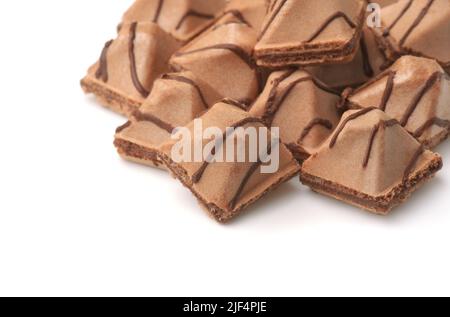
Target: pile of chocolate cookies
[360, 96]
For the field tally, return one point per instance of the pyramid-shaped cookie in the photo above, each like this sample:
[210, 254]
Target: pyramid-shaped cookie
[416, 92]
[368, 62]
[124, 75]
[224, 185]
[301, 106]
[303, 32]
[370, 161]
[184, 19]
[222, 58]
[417, 27]
[176, 100]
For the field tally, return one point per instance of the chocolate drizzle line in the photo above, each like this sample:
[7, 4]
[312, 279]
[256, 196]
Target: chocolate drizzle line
[158, 11]
[346, 121]
[348, 93]
[199, 173]
[235, 103]
[188, 81]
[418, 20]
[215, 25]
[415, 102]
[139, 116]
[412, 163]
[272, 18]
[237, 50]
[134, 76]
[333, 17]
[268, 115]
[402, 13]
[274, 103]
[317, 121]
[123, 127]
[379, 126]
[367, 67]
[287, 91]
[322, 28]
[248, 175]
[102, 71]
[371, 82]
[274, 3]
[193, 13]
[238, 15]
[388, 90]
[431, 122]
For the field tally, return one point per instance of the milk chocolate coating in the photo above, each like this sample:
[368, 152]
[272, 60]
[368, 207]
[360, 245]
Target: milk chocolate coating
[176, 100]
[370, 161]
[416, 92]
[175, 61]
[301, 106]
[310, 32]
[226, 189]
[184, 19]
[222, 58]
[368, 62]
[124, 75]
[418, 27]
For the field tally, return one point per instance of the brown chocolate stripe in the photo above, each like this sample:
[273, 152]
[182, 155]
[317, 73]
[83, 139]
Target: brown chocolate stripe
[416, 101]
[277, 103]
[387, 93]
[139, 116]
[328, 21]
[367, 67]
[236, 103]
[430, 123]
[193, 13]
[287, 91]
[134, 76]
[102, 71]
[370, 82]
[315, 122]
[123, 127]
[274, 3]
[268, 115]
[418, 20]
[237, 50]
[388, 90]
[346, 121]
[248, 176]
[412, 163]
[379, 126]
[197, 176]
[238, 15]
[272, 18]
[188, 81]
[158, 11]
[394, 23]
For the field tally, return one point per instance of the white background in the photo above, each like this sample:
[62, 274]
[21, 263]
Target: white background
[77, 220]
